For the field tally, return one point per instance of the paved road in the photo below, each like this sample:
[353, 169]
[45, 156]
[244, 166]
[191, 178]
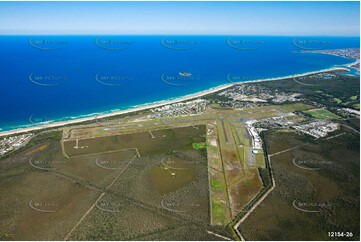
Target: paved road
[251, 157]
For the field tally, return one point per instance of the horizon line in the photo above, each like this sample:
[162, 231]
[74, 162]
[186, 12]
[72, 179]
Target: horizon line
[174, 34]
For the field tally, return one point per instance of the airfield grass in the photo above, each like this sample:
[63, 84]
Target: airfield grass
[335, 184]
[165, 140]
[220, 214]
[217, 185]
[259, 158]
[297, 107]
[241, 153]
[295, 118]
[164, 182]
[242, 182]
[214, 158]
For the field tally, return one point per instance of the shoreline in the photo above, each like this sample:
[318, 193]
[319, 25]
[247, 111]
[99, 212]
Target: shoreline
[56, 124]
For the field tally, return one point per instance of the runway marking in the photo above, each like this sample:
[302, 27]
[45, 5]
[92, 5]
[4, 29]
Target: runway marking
[335, 136]
[84, 216]
[95, 203]
[218, 235]
[151, 134]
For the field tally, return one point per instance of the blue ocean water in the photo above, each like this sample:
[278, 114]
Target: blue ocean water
[54, 78]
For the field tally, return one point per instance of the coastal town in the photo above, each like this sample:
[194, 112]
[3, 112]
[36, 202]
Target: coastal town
[351, 53]
[12, 143]
[256, 94]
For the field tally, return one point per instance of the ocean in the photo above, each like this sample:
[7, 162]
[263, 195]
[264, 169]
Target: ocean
[57, 78]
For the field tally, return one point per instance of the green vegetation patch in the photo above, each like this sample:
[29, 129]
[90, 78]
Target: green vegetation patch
[218, 185]
[353, 98]
[217, 211]
[337, 100]
[200, 145]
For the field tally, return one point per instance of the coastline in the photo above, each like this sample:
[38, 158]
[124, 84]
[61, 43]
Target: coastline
[56, 124]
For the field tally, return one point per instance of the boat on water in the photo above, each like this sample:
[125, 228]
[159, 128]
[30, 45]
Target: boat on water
[185, 74]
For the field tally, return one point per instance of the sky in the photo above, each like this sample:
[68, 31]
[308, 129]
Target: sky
[201, 18]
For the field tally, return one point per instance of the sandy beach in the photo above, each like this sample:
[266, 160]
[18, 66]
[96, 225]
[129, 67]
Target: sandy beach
[156, 104]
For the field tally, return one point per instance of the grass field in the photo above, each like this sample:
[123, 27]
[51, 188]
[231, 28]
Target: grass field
[321, 113]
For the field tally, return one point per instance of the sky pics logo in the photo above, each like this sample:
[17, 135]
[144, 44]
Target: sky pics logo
[114, 43]
[44, 206]
[47, 80]
[47, 44]
[245, 44]
[179, 44]
[47, 165]
[311, 43]
[311, 165]
[113, 80]
[310, 207]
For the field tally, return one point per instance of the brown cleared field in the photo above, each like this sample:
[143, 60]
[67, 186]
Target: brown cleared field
[169, 139]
